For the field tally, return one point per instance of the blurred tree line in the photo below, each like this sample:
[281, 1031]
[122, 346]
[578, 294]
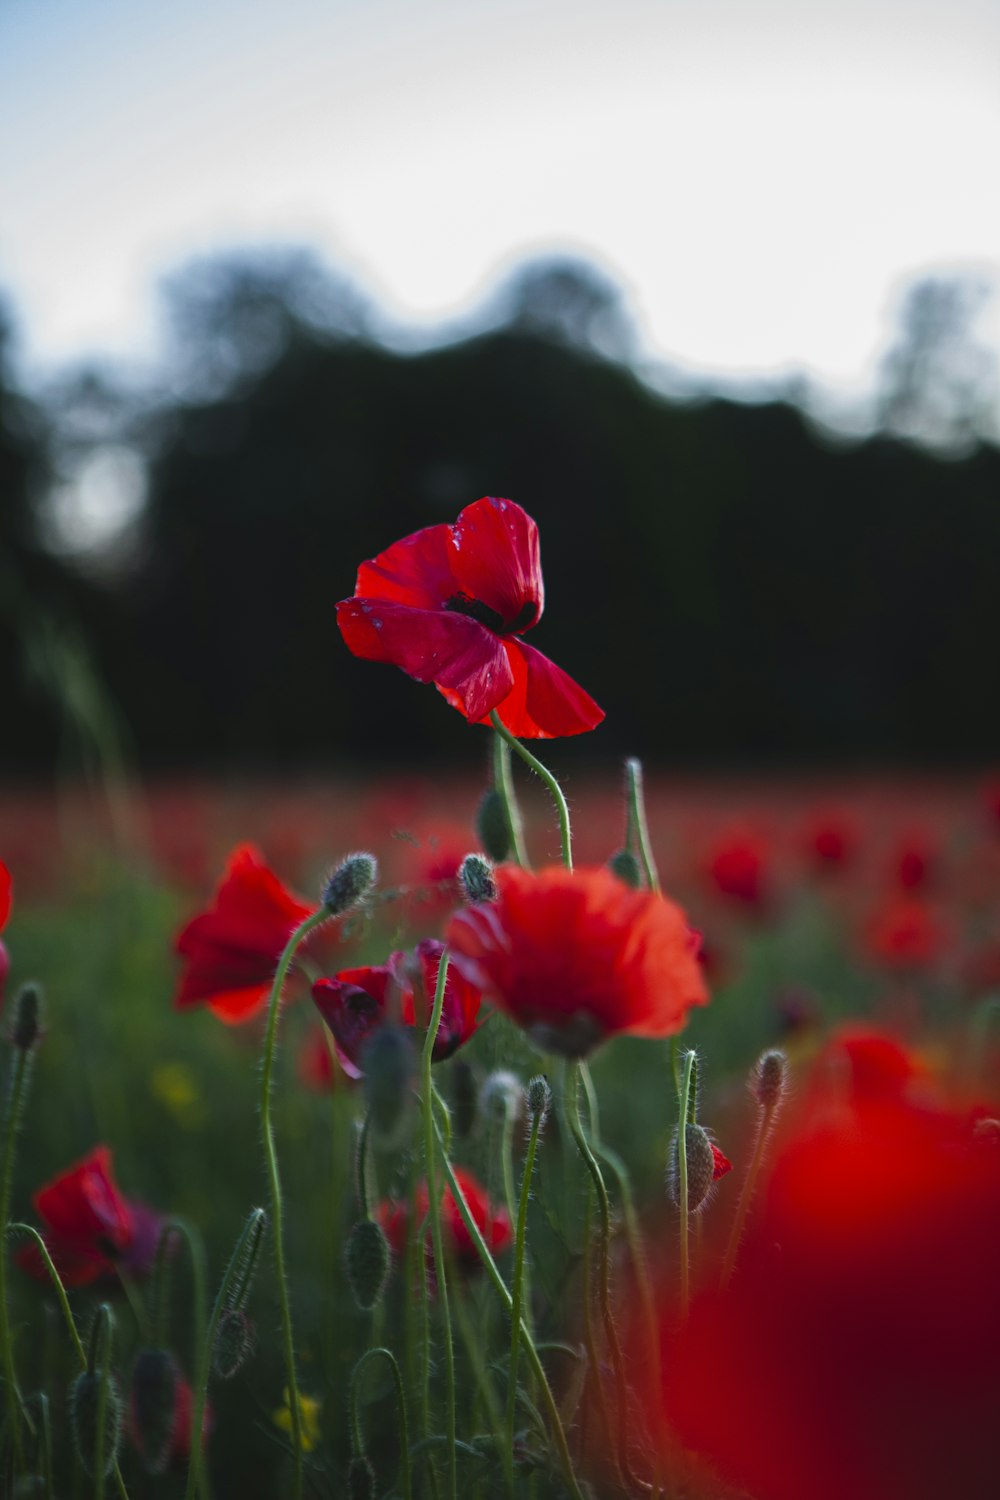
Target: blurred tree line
[732, 585]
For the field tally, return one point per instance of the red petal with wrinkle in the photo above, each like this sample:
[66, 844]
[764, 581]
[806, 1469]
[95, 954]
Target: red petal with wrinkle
[84, 1203]
[6, 893]
[415, 571]
[460, 656]
[495, 558]
[544, 703]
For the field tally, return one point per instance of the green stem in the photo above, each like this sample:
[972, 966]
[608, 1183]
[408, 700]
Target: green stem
[637, 810]
[604, 1288]
[98, 1360]
[67, 1312]
[274, 1181]
[364, 1200]
[518, 1288]
[237, 1261]
[21, 1074]
[765, 1120]
[504, 783]
[686, 1103]
[404, 1429]
[474, 1341]
[555, 790]
[493, 1271]
[434, 1214]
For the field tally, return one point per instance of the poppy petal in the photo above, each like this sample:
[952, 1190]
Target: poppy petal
[415, 571]
[6, 893]
[460, 656]
[544, 702]
[495, 557]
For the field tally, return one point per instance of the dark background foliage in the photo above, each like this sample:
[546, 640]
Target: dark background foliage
[732, 585]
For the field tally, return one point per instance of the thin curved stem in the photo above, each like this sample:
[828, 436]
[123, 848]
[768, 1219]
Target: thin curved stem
[274, 1182]
[686, 1100]
[15, 1105]
[765, 1120]
[504, 784]
[555, 790]
[404, 1429]
[518, 1288]
[434, 1214]
[637, 810]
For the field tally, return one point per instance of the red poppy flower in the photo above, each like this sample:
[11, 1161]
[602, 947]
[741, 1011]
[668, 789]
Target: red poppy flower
[449, 604]
[491, 1220]
[6, 895]
[89, 1227]
[855, 1350]
[738, 868]
[575, 956]
[831, 839]
[355, 1002]
[905, 933]
[231, 951]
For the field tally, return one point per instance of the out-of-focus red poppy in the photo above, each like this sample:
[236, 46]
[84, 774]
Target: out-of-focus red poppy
[231, 951]
[738, 869]
[314, 1066]
[913, 862]
[355, 1002]
[6, 898]
[855, 1351]
[449, 604]
[576, 956]
[831, 840]
[89, 1227]
[157, 1377]
[905, 933]
[490, 1219]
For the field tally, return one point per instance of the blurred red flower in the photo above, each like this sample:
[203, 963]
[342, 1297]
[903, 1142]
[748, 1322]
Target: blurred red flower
[448, 605]
[231, 951]
[855, 1351]
[576, 956]
[738, 868]
[89, 1227]
[491, 1220]
[6, 897]
[831, 840]
[905, 933]
[355, 1002]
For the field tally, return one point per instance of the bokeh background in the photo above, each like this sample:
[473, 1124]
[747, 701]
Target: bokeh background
[708, 288]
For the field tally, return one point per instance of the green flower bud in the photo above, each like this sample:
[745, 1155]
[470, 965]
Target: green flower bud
[234, 1343]
[625, 865]
[491, 826]
[84, 1410]
[476, 879]
[368, 1260]
[350, 882]
[700, 1166]
[153, 1407]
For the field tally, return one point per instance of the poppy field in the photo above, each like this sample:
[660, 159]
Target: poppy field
[515, 1135]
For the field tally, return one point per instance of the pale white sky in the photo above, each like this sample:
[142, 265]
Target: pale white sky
[758, 176]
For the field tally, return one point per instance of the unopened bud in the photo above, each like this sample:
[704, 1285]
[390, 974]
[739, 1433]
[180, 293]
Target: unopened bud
[388, 1061]
[625, 865]
[538, 1099]
[704, 1164]
[476, 879]
[492, 826]
[464, 1097]
[85, 1415]
[769, 1079]
[350, 882]
[360, 1479]
[153, 1407]
[501, 1095]
[26, 1021]
[368, 1259]
[247, 1254]
[234, 1343]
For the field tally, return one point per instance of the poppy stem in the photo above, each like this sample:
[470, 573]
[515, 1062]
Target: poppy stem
[21, 1074]
[357, 1442]
[765, 1121]
[434, 1214]
[504, 783]
[274, 1181]
[686, 1102]
[493, 1271]
[518, 1288]
[555, 790]
[637, 811]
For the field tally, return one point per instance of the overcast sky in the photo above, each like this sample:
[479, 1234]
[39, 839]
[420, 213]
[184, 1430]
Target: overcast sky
[758, 176]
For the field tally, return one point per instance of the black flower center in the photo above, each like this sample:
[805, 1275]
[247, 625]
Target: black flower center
[464, 604]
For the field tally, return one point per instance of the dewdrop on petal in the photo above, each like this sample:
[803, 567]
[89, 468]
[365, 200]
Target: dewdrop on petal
[350, 882]
[476, 879]
[368, 1261]
[492, 826]
[705, 1165]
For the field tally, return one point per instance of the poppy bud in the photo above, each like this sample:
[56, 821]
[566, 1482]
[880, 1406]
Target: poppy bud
[492, 826]
[769, 1079]
[85, 1410]
[538, 1098]
[705, 1163]
[389, 1064]
[153, 1407]
[26, 1023]
[350, 882]
[501, 1096]
[464, 1097]
[368, 1260]
[625, 865]
[248, 1253]
[234, 1343]
[475, 876]
[360, 1479]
